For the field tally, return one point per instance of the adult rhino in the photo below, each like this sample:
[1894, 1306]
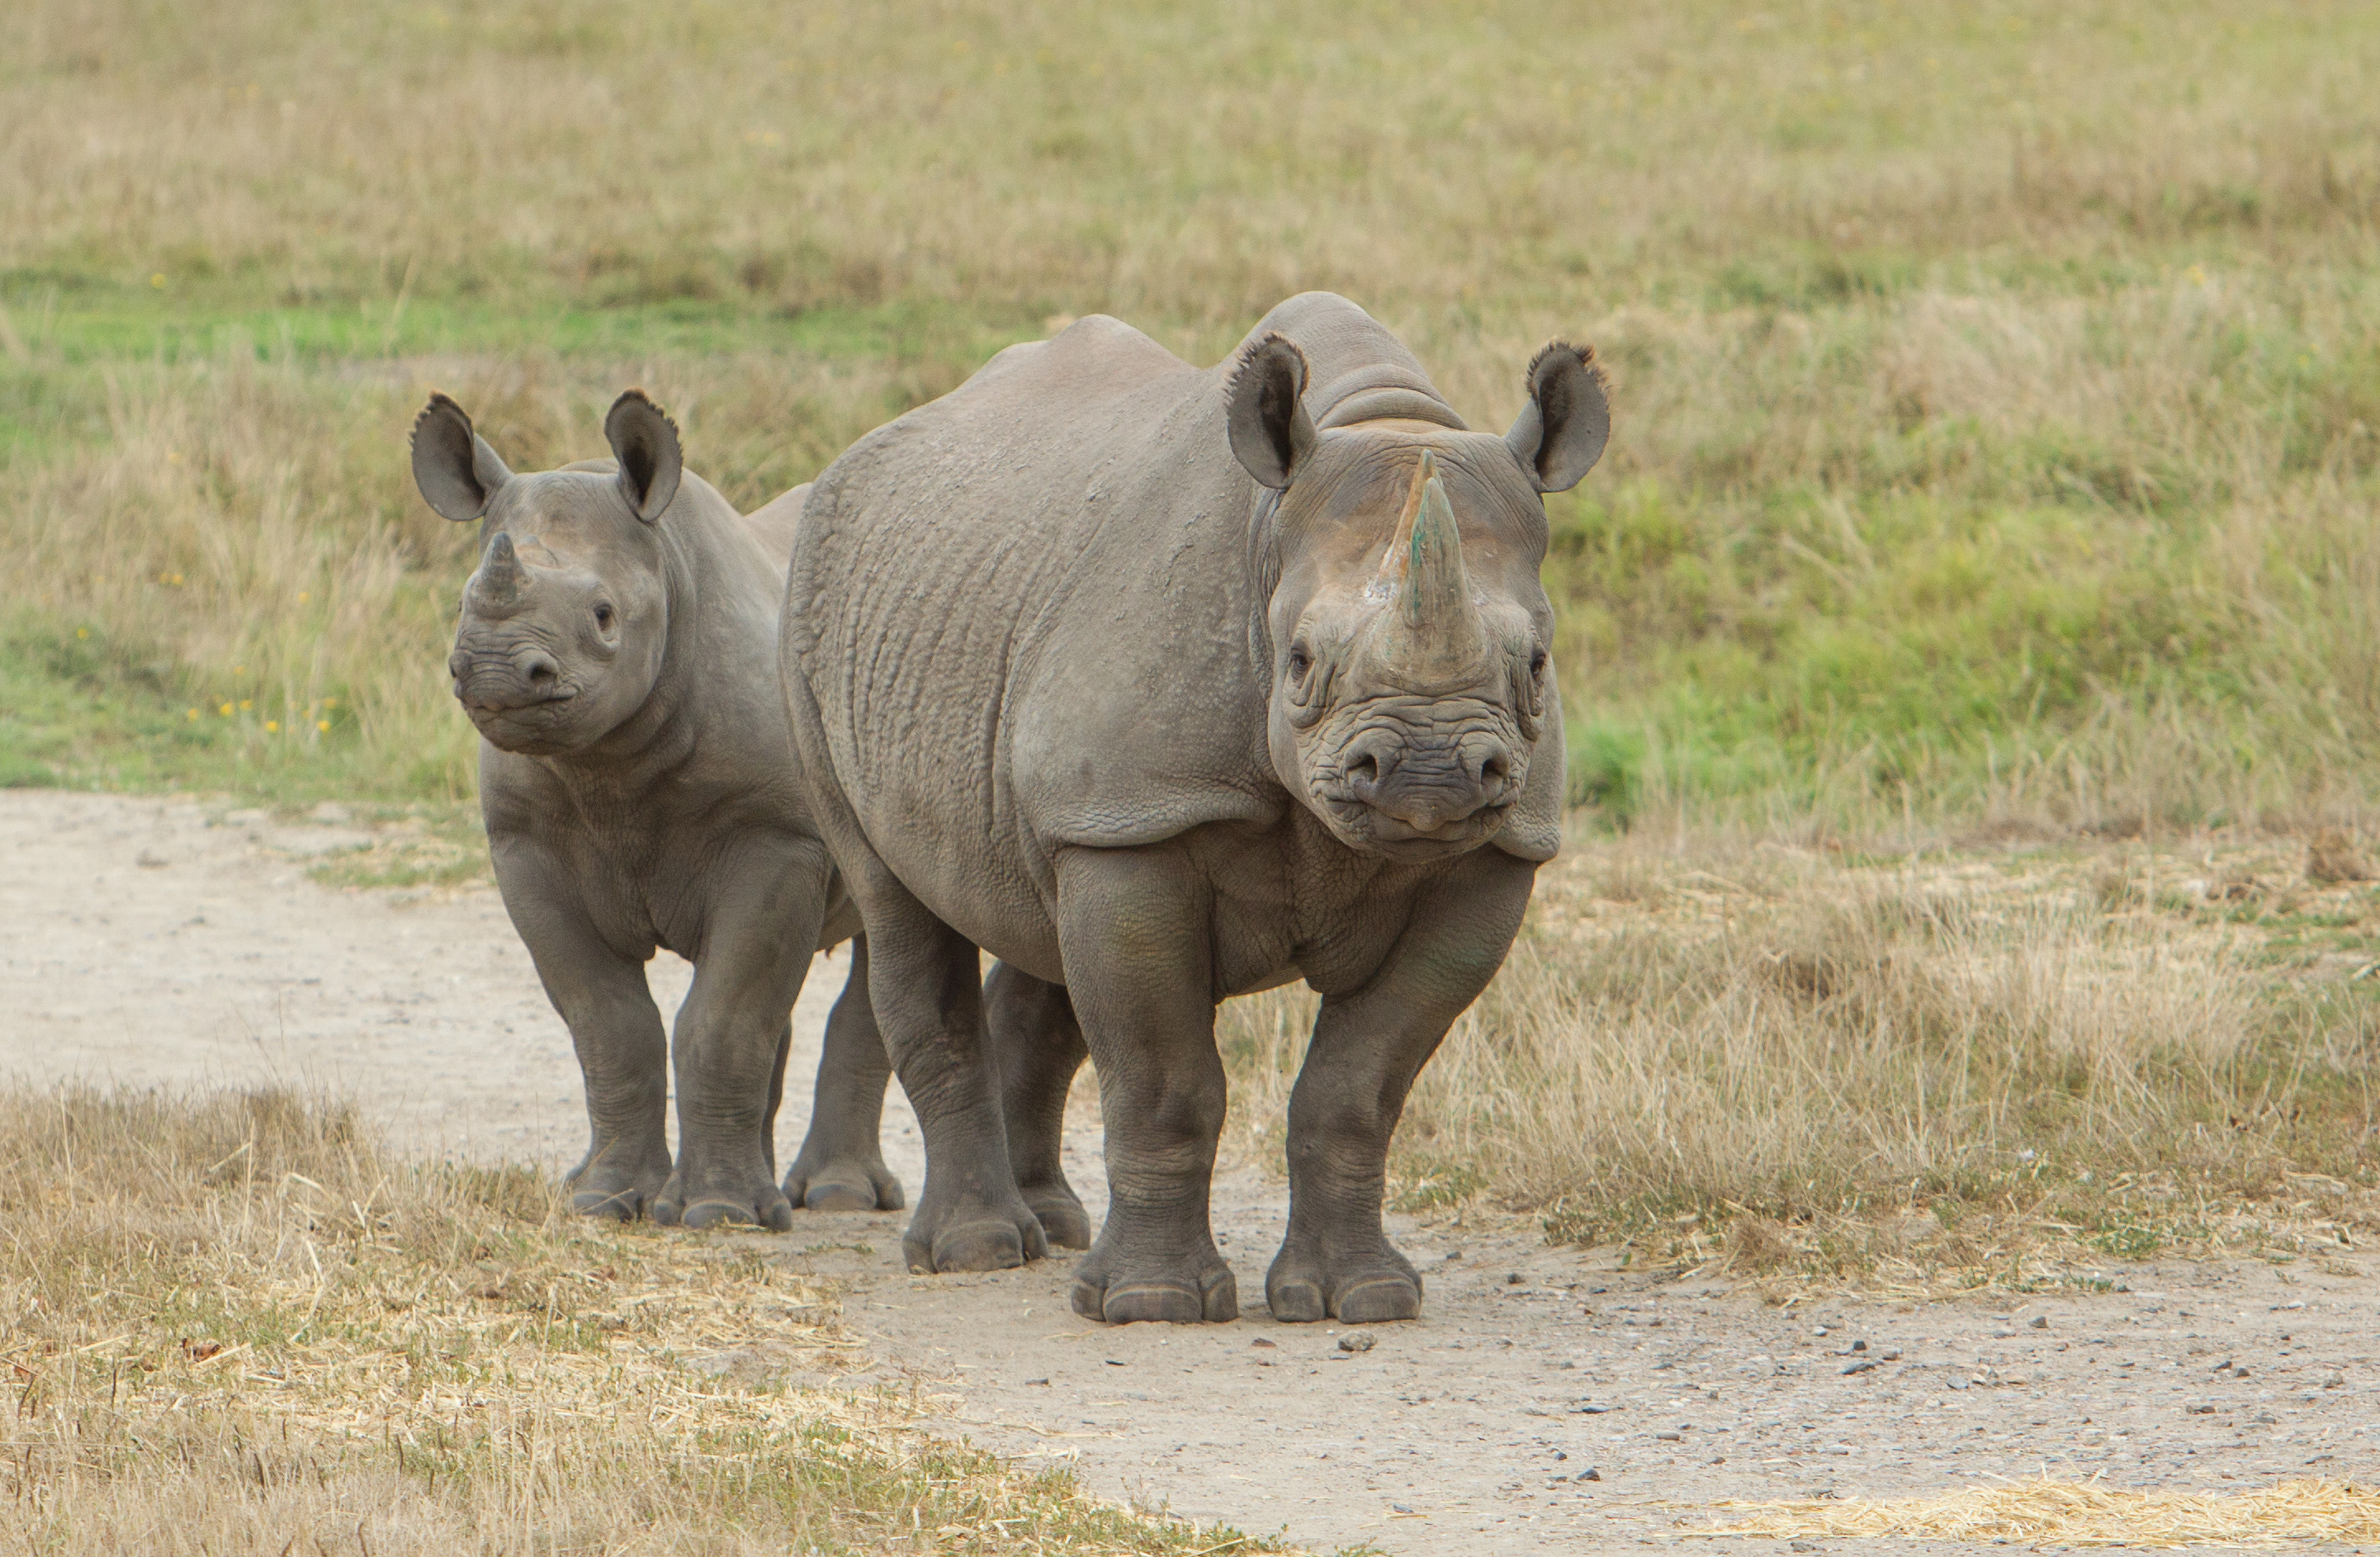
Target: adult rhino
[616, 649]
[1165, 686]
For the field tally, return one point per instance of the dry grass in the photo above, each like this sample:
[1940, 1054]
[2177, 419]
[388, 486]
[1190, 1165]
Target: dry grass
[2046, 1512]
[233, 1324]
[1931, 1072]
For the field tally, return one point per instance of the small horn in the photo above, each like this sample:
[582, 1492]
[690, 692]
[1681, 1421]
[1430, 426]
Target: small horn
[501, 574]
[1432, 627]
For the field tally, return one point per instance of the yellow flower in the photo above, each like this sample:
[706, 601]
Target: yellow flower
[247, 703]
[82, 632]
[273, 726]
[330, 702]
[304, 595]
[224, 710]
[239, 670]
[323, 725]
[192, 713]
[177, 580]
[157, 279]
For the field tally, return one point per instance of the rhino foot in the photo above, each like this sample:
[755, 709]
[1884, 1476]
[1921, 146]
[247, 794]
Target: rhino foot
[844, 1185]
[1378, 1287]
[971, 1236]
[617, 1185]
[709, 1204]
[1060, 1214]
[1119, 1290]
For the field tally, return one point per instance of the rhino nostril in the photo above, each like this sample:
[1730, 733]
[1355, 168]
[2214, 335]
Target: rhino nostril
[458, 664]
[541, 672]
[1495, 771]
[1365, 773]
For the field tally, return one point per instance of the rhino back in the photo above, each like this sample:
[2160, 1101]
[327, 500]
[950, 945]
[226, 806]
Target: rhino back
[1022, 613]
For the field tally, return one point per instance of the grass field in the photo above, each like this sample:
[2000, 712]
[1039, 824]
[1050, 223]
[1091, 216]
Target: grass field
[1996, 384]
[1995, 460]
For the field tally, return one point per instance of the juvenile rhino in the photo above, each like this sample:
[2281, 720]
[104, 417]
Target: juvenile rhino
[616, 650]
[1165, 686]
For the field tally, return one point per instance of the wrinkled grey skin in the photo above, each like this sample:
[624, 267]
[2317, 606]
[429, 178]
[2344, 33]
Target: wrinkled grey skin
[616, 649]
[1165, 686]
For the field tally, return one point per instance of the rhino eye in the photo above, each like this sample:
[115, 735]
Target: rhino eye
[603, 618]
[1536, 665]
[1300, 661]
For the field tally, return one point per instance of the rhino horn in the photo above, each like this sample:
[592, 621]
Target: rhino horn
[1431, 627]
[501, 575]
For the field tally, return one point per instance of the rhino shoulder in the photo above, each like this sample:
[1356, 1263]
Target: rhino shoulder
[776, 522]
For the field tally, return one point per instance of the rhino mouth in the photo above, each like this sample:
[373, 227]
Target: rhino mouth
[518, 719]
[1364, 826]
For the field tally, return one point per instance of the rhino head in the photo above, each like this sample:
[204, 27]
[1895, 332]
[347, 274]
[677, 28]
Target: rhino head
[1410, 638]
[562, 625]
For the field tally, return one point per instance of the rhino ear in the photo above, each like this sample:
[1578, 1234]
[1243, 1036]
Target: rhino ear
[1271, 431]
[1560, 434]
[456, 471]
[646, 444]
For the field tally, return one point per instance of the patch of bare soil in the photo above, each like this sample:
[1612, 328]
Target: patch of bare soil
[1548, 1400]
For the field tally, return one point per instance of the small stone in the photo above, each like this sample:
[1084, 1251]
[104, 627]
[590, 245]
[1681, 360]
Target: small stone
[2202, 1411]
[1030, 1382]
[1865, 1365]
[1590, 1474]
[2334, 1381]
[1358, 1342]
[1515, 1278]
[2040, 1321]
[1890, 1353]
[1261, 1340]
[1859, 1345]
[1670, 1437]
[150, 860]
[1112, 1362]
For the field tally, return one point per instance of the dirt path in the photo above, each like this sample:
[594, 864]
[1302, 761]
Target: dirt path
[1546, 1402]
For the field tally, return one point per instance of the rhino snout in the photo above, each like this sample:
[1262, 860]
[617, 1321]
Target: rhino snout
[1429, 786]
[498, 682]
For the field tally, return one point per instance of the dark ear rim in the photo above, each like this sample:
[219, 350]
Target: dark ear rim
[1563, 431]
[644, 441]
[1271, 432]
[453, 468]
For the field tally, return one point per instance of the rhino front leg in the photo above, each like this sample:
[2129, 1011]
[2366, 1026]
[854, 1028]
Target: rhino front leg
[1133, 930]
[1368, 1046]
[841, 1166]
[1039, 1047]
[731, 1037]
[623, 1052]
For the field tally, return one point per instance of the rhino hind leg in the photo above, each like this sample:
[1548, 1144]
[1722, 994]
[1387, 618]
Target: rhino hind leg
[927, 992]
[841, 1165]
[1039, 1047]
